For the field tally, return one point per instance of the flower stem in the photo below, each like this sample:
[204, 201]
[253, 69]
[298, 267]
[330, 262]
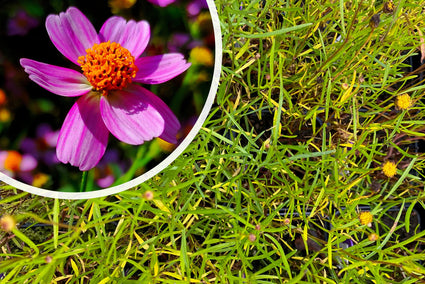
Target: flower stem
[83, 184]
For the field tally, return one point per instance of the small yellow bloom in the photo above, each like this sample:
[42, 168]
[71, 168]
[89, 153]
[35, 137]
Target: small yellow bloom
[7, 223]
[366, 218]
[202, 55]
[389, 169]
[40, 179]
[403, 102]
[373, 237]
[5, 115]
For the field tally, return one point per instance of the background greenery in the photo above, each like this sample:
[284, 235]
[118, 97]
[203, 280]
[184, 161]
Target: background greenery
[271, 189]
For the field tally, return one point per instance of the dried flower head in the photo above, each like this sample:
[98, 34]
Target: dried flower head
[48, 259]
[7, 223]
[389, 7]
[252, 237]
[373, 237]
[117, 5]
[366, 218]
[148, 195]
[389, 169]
[374, 21]
[403, 102]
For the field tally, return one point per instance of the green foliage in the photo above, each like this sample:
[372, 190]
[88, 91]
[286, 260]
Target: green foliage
[271, 188]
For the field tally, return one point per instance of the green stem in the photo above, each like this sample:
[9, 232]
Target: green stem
[83, 184]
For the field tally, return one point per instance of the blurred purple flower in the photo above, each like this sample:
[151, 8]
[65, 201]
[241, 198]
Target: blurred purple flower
[182, 41]
[347, 243]
[21, 23]
[103, 174]
[42, 146]
[110, 101]
[161, 3]
[195, 7]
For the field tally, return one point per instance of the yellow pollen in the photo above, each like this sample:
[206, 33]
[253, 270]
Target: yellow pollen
[366, 218]
[389, 169]
[403, 102]
[108, 66]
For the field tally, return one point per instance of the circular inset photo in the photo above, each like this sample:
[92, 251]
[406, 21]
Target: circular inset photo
[96, 97]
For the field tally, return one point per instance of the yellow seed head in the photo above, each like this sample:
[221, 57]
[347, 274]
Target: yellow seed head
[7, 223]
[366, 218]
[373, 237]
[389, 169]
[403, 102]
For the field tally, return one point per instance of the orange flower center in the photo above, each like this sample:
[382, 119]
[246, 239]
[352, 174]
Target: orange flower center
[13, 161]
[108, 66]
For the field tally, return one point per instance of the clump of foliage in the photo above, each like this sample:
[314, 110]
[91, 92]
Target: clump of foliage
[307, 135]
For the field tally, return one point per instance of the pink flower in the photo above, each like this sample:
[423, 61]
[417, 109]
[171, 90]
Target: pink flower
[109, 100]
[21, 23]
[195, 7]
[42, 147]
[162, 3]
[13, 163]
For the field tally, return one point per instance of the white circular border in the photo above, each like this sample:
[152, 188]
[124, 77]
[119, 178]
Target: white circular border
[170, 158]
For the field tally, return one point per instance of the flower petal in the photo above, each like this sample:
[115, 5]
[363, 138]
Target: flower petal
[72, 33]
[160, 68]
[162, 3]
[58, 80]
[83, 138]
[136, 115]
[132, 35]
[28, 163]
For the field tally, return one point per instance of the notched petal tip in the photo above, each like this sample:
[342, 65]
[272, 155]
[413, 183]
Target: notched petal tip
[71, 33]
[132, 35]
